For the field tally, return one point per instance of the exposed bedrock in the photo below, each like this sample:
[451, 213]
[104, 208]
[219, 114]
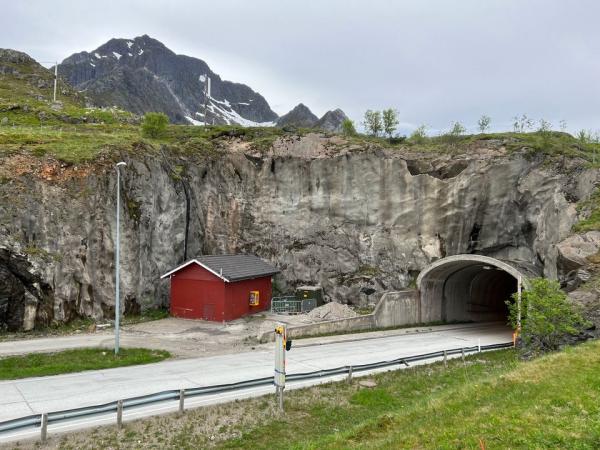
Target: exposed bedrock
[358, 222]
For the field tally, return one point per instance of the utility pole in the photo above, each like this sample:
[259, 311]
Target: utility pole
[118, 249]
[55, 78]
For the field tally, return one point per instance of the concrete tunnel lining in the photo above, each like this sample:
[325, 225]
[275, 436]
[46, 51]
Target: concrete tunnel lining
[469, 288]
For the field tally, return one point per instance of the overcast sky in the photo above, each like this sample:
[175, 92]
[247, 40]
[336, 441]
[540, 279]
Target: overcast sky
[434, 61]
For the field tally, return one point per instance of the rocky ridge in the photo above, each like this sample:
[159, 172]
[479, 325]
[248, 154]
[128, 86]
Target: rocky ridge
[142, 75]
[302, 117]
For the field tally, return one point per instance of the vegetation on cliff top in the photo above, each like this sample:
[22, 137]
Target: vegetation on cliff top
[73, 133]
[85, 142]
[590, 208]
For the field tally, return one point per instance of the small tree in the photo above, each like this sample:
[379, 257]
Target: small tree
[458, 129]
[390, 121]
[522, 124]
[154, 124]
[419, 135]
[584, 136]
[373, 123]
[484, 123]
[563, 125]
[544, 126]
[348, 127]
[547, 316]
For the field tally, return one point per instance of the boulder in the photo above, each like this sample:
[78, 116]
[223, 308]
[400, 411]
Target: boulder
[574, 250]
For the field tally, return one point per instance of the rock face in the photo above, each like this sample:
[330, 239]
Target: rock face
[332, 121]
[300, 117]
[357, 221]
[574, 251]
[142, 75]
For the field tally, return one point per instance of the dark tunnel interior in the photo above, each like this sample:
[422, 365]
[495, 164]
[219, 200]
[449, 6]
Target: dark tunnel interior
[467, 291]
[477, 293]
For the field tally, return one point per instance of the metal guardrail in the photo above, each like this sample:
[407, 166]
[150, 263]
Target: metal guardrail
[35, 420]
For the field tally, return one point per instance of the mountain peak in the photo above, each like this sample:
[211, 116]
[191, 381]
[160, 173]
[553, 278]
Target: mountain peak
[142, 75]
[300, 116]
[332, 121]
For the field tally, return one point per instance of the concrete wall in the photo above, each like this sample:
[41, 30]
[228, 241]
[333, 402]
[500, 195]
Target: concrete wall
[397, 308]
[394, 309]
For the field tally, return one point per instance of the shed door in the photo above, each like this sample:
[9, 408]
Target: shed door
[208, 312]
[195, 299]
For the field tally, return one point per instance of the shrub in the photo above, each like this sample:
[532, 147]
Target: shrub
[419, 135]
[154, 124]
[547, 316]
[348, 127]
[484, 123]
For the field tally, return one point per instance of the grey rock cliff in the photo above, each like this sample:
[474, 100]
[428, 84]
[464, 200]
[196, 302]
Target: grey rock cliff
[358, 221]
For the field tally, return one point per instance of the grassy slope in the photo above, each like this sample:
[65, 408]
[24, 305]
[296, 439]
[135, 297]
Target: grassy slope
[592, 206]
[551, 402]
[42, 364]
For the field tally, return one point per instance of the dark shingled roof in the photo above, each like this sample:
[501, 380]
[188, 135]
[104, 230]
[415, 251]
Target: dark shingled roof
[238, 267]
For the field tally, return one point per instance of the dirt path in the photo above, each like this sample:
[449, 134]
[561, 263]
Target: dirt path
[183, 338]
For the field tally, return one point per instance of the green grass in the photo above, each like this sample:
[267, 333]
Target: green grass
[43, 364]
[72, 144]
[591, 207]
[146, 316]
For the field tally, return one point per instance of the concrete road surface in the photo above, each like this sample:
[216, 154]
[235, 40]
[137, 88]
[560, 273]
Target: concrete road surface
[44, 394]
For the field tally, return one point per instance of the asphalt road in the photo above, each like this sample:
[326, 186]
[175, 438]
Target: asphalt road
[44, 394]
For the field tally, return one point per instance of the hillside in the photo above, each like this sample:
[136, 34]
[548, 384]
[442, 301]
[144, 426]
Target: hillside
[358, 215]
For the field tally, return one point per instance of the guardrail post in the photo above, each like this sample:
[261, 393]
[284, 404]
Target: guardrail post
[181, 400]
[462, 351]
[479, 345]
[44, 428]
[445, 359]
[119, 414]
[349, 379]
[281, 399]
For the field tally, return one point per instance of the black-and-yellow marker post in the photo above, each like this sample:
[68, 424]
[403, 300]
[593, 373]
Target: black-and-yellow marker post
[281, 345]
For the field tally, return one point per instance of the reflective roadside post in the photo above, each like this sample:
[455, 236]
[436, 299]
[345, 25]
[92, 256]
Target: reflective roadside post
[519, 295]
[279, 376]
[117, 251]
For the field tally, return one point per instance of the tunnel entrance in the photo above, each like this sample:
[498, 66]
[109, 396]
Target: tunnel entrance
[468, 288]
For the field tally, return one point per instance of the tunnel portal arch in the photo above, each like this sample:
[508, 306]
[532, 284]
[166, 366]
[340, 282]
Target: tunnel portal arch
[470, 288]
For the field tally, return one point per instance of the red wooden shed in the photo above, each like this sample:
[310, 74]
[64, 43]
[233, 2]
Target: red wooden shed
[221, 288]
